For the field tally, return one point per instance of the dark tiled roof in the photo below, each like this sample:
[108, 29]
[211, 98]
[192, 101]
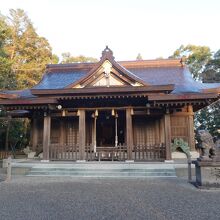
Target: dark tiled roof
[179, 76]
[58, 80]
[153, 72]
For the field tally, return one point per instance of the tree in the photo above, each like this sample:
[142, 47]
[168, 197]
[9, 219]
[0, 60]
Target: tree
[209, 117]
[68, 58]
[139, 57]
[28, 52]
[196, 58]
[23, 57]
[211, 72]
[7, 77]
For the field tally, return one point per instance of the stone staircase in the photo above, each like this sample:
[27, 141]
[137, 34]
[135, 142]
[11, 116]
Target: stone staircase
[104, 170]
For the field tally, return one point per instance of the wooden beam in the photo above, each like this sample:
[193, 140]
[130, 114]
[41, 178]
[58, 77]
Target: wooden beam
[82, 134]
[46, 136]
[33, 101]
[129, 133]
[167, 132]
[189, 96]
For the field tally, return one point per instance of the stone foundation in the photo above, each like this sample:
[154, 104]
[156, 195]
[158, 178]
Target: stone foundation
[207, 173]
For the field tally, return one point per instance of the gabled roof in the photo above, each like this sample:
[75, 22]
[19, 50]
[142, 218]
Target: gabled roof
[121, 73]
[146, 73]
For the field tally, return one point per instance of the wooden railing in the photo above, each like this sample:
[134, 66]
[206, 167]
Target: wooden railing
[149, 152]
[154, 152]
[64, 152]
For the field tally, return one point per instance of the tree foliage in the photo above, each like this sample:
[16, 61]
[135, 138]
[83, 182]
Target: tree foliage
[196, 58]
[68, 58]
[139, 57]
[26, 51]
[23, 57]
[7, 77]
[209, 117]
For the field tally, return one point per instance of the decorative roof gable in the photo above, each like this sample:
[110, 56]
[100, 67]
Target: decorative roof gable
[108, 73]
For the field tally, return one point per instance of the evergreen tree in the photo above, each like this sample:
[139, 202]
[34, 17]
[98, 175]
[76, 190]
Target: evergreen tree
[68, 58]
[139, 57]
[28, 52]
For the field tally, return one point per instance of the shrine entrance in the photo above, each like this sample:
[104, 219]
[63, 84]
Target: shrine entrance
[109, 135]
[110, 128]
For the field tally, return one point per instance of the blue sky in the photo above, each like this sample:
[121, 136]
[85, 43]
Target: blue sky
[153, 28]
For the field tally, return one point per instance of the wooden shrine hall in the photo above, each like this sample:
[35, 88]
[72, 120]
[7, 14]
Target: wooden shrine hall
[109, 110]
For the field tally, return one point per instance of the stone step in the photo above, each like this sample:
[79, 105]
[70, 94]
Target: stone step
[104, 170]
[98, 170]
[104, 174]
[97, 165]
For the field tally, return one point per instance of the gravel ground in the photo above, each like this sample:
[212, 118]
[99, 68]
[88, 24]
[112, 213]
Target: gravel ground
[35, 198]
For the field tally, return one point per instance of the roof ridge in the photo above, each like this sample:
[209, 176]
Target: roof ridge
[125, 64]
[152, 63]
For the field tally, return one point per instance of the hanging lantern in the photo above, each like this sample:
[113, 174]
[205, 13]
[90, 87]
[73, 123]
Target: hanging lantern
[78, 113]
[113, 112]
[132, 111]
[63, 113]
[96, 113]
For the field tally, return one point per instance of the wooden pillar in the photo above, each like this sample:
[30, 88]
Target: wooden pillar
[34, 134]
[190, 127]
[62, 132]
[82, 134]
[167, 133]
[129, 133]
[46, 136]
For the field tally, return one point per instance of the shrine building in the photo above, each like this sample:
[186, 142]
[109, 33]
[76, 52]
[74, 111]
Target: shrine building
[110, 110]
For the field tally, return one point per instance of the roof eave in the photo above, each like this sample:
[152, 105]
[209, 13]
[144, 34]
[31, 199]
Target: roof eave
[104, 90]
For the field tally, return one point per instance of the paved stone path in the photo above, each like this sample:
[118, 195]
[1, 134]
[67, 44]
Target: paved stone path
[31, 198]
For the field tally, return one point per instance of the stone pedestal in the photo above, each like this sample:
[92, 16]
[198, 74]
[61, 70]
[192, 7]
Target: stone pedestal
[207, 173]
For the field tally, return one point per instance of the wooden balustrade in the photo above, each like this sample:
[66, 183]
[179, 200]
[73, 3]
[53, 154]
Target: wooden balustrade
[156, 152]
[64, 152]
[149, 152]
